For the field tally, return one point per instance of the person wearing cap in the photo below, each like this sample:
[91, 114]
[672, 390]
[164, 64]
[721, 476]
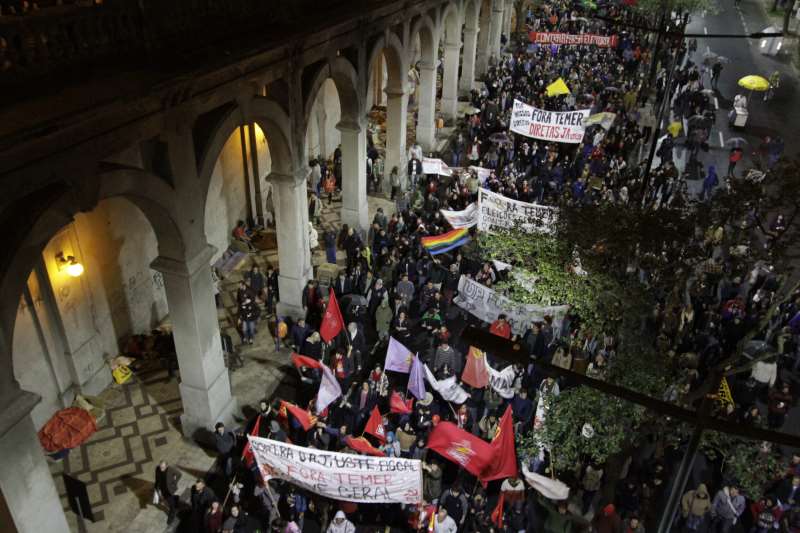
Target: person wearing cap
[607, 521]
[340, 524]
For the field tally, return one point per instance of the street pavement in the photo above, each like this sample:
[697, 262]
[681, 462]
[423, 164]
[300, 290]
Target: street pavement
[778, 116]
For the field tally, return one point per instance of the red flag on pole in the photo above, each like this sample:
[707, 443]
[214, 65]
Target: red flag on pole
[247, 453]
[332, 321]
[300, 361]
[375, 425]
[497, 514]
[306, 419]
[360, 444]
[460, 447]
[400, 407]
[504, 455]
[475, 373]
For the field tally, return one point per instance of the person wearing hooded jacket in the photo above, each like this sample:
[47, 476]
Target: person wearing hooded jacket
[695, 507]
[340, 524]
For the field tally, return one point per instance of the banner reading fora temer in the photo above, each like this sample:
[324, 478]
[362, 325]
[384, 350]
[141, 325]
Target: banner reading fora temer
[341, 476]
[558, 126]
[603, 41]
[497, 213]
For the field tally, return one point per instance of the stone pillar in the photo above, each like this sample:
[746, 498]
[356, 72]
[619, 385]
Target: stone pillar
[294, 254]
[496, 28]
[468, 61]
[450, 81]
[509, 7]
[482, 61]
[205, 386]
[426, 128]
[396, 125]
[355, 211]
[25, 479]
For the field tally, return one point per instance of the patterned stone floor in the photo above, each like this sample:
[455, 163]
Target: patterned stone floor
[141, 423]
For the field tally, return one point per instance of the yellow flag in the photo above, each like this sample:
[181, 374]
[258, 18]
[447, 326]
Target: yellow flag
[725, 392]
[675, 129]
[557, 87]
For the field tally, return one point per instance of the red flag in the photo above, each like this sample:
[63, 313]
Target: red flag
[504, 456]
[360, 444]
[247, 453]
[460, 447]
[375, 425]
[300, 361]
[475, 373]
[332, 321]
[497, 514]
[301, 415]
[398, 406]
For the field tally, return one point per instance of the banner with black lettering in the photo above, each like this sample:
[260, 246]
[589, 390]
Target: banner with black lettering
[340, 476]
[465, 218]
[486, 304]
[557, 126]
[498, 213]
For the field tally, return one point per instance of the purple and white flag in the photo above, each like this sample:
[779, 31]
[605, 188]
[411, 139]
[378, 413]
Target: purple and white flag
[416, 379]
[329, 389]
[398, 357]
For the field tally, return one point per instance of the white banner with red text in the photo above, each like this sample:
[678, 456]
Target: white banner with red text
[341, 476]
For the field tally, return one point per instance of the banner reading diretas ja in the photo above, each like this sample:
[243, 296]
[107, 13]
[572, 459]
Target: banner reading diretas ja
[341, 476]
[557, 126]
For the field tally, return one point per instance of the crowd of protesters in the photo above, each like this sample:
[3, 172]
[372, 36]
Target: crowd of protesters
[391, 287]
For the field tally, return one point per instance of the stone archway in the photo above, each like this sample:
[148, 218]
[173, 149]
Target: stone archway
[35, 504]
[352, 129]
[425, 29]
[291, 207]
[391, 49]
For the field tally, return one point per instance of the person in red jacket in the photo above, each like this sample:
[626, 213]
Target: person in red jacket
[501, 327]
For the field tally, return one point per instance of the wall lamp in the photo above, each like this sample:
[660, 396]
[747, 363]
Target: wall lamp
[70, 264]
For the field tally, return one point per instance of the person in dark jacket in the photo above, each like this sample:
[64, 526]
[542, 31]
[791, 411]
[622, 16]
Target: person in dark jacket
[225, 442]
[299, 334]
[166, 483]
[248, 316]
[201, 498]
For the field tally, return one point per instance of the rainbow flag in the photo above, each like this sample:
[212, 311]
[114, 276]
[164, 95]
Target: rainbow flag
[439, 244]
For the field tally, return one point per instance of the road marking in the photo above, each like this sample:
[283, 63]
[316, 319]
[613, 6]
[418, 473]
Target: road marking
[708, 49]
[721, 140]
[705, 30]
[716, 105]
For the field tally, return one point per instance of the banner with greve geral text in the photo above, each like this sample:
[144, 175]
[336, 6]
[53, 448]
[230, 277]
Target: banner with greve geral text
[589, 39]
[557, 126]
[341, 476]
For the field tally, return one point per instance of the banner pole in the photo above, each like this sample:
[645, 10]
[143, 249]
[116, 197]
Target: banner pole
[229, 492]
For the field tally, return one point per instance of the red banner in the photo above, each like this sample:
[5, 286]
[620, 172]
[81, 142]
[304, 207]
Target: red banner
[590, 39]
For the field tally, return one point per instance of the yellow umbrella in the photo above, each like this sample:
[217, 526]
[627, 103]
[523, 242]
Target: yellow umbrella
[557, 87]
[754, 83]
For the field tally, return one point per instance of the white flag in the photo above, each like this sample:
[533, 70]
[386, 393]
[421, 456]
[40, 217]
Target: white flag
[329, 389]
[502, 381]
[466, 218]
[553, 489]
[447, 388]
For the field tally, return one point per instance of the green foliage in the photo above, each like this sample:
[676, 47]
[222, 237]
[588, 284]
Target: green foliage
[755, 470]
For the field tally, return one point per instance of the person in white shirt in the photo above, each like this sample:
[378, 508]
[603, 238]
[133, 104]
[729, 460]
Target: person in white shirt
[444, 523]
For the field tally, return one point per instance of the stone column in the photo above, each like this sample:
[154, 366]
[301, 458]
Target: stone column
[496, 28]
[450, 81]
[507, 10]
[205, 386]
[426, 129]
[355, 211]
[482, 65]
[26, 483]
[294, 254]
[468, 61]
[396, 126]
